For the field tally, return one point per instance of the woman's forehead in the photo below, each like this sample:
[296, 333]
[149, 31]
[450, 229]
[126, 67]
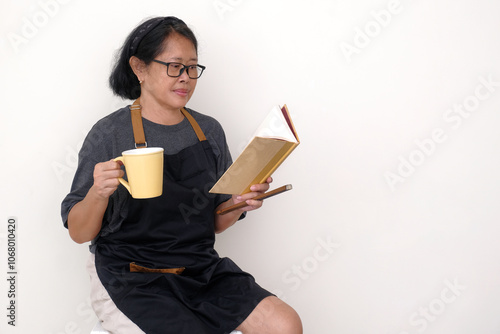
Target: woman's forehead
[178, 46]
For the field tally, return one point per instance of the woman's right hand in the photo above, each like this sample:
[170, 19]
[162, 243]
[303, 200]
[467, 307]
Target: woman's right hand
[106, 176]
[85, 218]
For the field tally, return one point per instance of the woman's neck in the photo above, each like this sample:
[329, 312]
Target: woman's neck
[160, 114]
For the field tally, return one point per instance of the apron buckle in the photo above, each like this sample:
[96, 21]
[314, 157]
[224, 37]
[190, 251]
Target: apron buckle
[139, 145]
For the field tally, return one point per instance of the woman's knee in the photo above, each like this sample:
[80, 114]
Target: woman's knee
[290, 320]
[272, 315]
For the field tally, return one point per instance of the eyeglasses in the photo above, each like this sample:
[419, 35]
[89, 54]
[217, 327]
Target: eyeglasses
[175, 70]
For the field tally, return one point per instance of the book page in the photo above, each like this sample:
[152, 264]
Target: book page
[275, 126]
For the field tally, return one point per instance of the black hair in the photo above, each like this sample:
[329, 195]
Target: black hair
[146, 43]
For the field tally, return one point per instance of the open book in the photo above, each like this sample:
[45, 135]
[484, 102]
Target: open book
[271, 144]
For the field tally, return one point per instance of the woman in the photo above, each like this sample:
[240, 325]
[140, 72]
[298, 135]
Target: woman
[153, 267]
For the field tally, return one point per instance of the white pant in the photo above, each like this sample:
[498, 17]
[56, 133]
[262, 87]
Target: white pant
[113, 320]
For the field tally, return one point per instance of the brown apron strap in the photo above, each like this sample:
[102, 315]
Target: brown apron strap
[194, 125]
[137, 127]
[135, 268]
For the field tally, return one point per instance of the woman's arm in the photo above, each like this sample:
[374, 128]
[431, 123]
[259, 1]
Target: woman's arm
[85, 218]
[223, 222]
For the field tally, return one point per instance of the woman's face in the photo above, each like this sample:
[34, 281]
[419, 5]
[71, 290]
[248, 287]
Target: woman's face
[171, 93]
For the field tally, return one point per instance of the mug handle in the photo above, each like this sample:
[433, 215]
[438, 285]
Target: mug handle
[122, 181]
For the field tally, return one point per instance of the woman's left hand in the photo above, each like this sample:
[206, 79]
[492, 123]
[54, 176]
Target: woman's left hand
[222, 222]
[256, 189]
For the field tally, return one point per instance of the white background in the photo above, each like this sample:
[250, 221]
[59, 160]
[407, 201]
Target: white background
[349, 250]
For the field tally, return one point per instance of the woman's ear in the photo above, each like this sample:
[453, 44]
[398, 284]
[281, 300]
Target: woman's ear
[139, 67]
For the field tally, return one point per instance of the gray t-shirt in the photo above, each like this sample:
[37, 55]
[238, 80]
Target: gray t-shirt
[113, 134]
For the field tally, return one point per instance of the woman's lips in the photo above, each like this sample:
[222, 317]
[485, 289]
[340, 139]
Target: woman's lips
[181, 92]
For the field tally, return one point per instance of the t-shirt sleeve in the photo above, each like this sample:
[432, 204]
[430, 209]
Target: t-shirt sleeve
[88, 157]
[98, 146]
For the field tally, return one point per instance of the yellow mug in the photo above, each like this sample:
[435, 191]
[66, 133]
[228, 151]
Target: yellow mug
[144, 167]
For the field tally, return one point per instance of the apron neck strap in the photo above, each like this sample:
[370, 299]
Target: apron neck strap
[194, 125]
[138, 128]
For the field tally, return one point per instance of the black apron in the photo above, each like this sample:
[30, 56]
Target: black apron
[161, 269]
